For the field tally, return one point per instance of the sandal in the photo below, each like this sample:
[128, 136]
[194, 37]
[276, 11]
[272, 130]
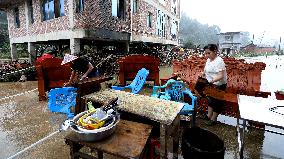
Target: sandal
[204, 116]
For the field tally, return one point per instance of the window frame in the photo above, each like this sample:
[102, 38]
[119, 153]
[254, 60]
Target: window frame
[52, 9]
[118, 9]
[135, 6]
[17, 17]
[80, 6]
[228, 37]
[30, 11]
[149, 20]
[174, 6]
[161, 24]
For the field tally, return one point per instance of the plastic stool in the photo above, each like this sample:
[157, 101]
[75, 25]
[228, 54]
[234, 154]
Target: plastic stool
[62, 99]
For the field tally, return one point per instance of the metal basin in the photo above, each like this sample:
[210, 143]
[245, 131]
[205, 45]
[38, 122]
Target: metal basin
[97, 134]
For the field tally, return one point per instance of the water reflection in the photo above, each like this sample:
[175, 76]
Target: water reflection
[25, 120]
[271, 81]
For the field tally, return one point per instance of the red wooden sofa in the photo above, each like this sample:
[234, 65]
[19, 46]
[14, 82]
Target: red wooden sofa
[130, 65]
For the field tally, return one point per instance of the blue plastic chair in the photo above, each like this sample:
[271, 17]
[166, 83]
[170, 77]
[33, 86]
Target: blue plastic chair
[175, 91]
[138, 82]
[60, 100]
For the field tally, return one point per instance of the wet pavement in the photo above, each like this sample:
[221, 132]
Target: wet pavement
[25, 120]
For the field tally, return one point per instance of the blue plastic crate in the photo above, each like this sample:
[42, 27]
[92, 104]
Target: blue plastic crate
[60, 100]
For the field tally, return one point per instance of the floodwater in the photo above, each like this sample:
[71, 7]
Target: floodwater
[25, 120]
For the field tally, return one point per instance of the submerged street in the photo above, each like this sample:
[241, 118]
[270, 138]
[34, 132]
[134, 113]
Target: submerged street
[25, 120]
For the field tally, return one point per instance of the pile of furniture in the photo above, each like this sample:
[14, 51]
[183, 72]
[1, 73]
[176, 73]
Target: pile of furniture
[243, 78]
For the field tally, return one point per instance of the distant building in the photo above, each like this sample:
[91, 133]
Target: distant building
[116, 23]
[257, 49]
[230, 42]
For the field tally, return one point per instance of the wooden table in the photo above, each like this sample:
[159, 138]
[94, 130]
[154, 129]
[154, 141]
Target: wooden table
[162, 111]
[128, 141]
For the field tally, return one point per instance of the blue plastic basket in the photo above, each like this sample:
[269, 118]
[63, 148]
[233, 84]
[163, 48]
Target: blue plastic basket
[60, 100]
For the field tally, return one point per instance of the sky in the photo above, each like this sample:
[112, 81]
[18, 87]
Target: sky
[262, 18]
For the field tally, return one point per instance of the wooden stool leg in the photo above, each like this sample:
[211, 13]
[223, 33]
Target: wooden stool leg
[163, 141]
[74, 148]
[176, 137]
[100, 155]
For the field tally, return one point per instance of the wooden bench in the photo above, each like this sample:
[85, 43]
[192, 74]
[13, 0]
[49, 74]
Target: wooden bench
[130, 65]
[128, 141]
[243, 78]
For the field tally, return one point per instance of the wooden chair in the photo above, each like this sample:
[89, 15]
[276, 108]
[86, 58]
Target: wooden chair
[51, 74]
[130, 65]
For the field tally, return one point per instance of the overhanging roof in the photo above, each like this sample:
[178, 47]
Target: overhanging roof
[7, 3]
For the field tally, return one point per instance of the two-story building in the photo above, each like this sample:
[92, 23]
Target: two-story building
[76, 23]
[230, 42]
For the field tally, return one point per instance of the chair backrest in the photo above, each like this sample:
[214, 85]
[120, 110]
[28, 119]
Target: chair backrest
[175, 90]
[139, 80]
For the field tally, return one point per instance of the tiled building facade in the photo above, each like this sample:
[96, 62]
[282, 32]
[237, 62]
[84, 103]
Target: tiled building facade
[106, 22]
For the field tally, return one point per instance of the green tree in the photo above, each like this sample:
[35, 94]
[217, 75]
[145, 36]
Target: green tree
[189, 44]
[197, 33]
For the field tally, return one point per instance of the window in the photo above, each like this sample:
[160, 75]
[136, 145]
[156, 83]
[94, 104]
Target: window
[79, 6]
[149, 19]
[114, 8]
[174, 29]
[135, 6]
[52, 9]
[59, 8]
[118, 8]
[174, 6]
[17, 17]
[48, 9]
[228, 38]
[30, 11]
[161, 24]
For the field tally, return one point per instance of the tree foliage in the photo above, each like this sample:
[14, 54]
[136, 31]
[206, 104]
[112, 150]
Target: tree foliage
[193, 32]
